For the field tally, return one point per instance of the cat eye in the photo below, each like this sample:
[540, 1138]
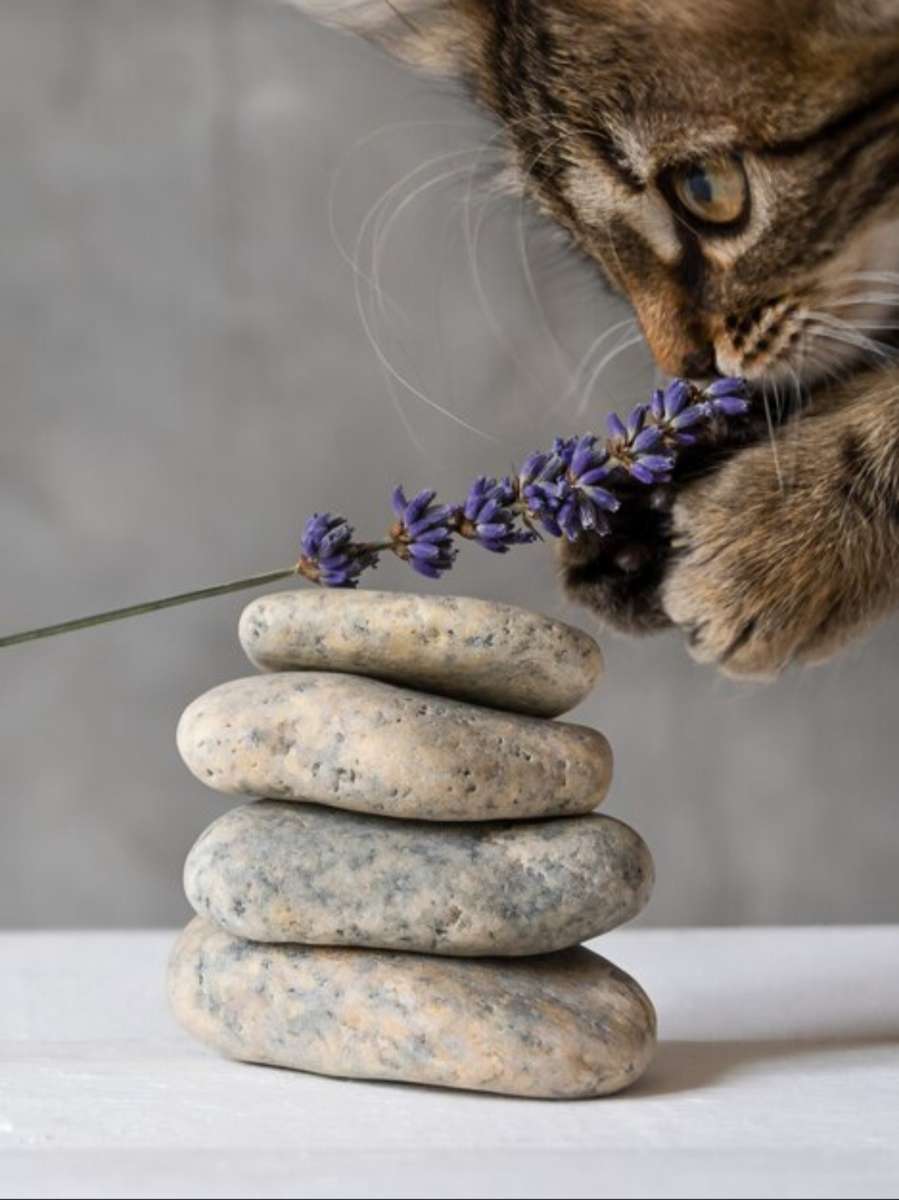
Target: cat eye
[713, 189]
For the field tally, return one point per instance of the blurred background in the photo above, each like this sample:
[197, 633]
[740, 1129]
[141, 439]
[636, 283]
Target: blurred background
[250, 268]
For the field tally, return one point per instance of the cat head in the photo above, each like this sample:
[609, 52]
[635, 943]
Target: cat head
[731, 165]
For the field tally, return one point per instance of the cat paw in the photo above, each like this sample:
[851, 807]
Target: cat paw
[756, 580]
[620, 576]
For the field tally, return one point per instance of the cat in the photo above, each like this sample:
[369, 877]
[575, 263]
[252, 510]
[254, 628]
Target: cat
[732, 167]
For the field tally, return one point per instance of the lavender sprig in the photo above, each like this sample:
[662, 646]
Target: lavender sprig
[423, 532]
[576, 488]
[570, 491]
[489, 516]
[330, 556]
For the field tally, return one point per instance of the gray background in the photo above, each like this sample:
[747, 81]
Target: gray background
[186, 374]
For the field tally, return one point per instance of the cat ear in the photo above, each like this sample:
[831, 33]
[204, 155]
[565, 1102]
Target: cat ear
[435, 35]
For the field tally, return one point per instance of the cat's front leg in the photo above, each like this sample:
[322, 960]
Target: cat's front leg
[792, 548]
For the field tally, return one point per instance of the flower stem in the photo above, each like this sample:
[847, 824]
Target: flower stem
[135, 610]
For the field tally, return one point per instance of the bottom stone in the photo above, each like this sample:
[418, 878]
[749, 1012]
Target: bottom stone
[561, 1026]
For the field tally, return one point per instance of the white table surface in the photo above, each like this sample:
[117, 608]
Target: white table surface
[777, 1075]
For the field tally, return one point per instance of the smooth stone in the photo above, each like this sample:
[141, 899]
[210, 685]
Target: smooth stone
[564, 1025]
[275, 872]
[477, 650]
[371, 747]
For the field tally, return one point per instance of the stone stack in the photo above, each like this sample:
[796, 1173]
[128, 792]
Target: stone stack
[406, 903]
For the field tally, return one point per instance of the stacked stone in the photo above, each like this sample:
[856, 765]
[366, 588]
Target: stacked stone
[406, 903]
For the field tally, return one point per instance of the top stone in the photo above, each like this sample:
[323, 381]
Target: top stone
[476, 650]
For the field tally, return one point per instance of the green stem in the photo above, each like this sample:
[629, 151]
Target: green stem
[135, 610]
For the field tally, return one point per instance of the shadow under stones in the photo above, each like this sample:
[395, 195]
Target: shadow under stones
[681, 1066]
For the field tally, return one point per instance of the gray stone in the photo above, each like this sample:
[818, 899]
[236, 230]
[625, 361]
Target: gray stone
[275, 872]
[477, 650]
[564, 1025]
[371, 747]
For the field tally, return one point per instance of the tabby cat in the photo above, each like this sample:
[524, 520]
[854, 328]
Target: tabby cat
[732, 166]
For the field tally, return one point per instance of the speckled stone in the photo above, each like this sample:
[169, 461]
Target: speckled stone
[368, 746]
[276, 872]
[564, 1025]
[475, 650]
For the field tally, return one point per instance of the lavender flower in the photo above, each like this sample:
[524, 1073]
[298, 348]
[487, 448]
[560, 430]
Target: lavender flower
[423, 532]
[567, 496]
[538, 487]
[673, 413]
[489, 518]
[589, 468]
[636, 447]
[330, 556]
[727, 397]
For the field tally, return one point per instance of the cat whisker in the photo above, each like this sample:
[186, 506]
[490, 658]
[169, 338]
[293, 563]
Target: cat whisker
[875, 326]
[384, 224]
[880, 298]
[841, 330]
[336, 179]
[581, 368]
[382, 217]
[822, 346]
[473, 233]
[610, 242]
[558, 350]
[795, 412]
[393, 373]
[373, 135]
[865, 345]
[378, 225]
[869, 277]
[360, 277]
[772, 436]
[353, 259]
[606, 361]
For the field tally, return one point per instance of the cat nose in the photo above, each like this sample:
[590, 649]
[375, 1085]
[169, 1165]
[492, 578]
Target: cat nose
[699, 364]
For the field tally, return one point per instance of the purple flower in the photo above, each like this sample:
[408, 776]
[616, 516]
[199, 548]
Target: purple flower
[727, 397]
[566, 496]
[589, 469]
[678, 409]
[637, 447]
[531, 469]
[541, 487]
[329, 554]
[542, 503]
[488, 518]
[651, 468]
[681, 408]
[625, 433]
[676, 414]
[553, 499]
[616, 427]
[669, 404]
[423, 532]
